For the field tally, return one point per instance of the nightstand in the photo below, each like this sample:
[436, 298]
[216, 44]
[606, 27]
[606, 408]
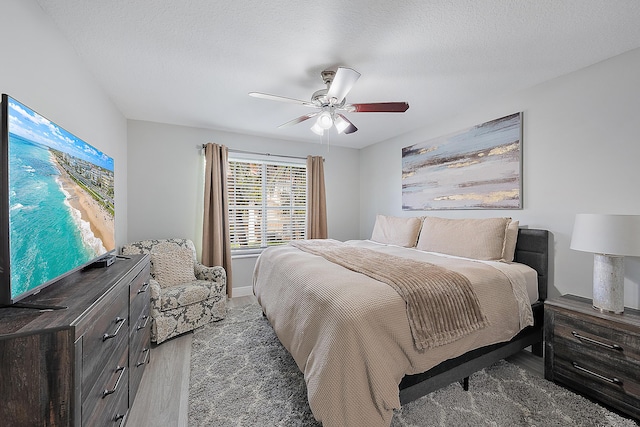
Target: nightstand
[596, 354]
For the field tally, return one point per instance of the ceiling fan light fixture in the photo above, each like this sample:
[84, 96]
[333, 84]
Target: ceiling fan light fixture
[324, 120]
[331, 101]
[317, 129]
[341, 124]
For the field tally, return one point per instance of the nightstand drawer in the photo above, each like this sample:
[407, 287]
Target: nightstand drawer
[592, 379]
[590, 337]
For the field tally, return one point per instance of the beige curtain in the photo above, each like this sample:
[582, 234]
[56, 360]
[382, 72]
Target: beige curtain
[216, 244]
[316, 200]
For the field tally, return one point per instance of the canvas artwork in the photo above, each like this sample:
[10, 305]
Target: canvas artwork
[476, 168]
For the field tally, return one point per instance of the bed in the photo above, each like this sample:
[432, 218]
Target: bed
[351, 335]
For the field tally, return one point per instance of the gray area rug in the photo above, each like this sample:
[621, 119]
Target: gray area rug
[242, 376]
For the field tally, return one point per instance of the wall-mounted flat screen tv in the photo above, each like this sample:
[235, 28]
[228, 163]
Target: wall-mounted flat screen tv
[57, 202]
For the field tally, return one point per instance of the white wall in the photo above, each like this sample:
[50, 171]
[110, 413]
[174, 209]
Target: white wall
[166, 187]
[41, 70]
[581, 145]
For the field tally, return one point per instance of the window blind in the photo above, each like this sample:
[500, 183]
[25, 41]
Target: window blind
[267, 203]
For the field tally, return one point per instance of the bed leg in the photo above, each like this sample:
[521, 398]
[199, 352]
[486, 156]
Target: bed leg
[465, 383]
[536, 349]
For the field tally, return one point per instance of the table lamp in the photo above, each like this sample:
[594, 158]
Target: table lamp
[610, 238]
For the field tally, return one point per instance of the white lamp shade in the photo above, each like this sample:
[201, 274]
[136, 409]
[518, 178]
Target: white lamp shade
[317, 129]
[607, 234]
[324, 120]
[340, 124]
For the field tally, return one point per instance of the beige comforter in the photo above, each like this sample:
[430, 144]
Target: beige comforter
[350, 336]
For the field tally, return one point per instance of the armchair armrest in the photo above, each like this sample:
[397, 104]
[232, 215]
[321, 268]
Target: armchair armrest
[213, 274]
[155, 295]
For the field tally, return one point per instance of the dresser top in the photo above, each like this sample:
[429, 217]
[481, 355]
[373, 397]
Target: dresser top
[78, 292]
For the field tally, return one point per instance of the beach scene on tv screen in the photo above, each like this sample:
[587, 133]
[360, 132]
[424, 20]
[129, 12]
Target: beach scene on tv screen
[61, 200]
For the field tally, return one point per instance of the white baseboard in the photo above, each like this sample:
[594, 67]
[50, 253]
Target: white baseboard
[242, 291]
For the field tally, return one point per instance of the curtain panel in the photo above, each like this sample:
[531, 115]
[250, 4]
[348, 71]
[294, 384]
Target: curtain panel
[216, 243]
[316, 199]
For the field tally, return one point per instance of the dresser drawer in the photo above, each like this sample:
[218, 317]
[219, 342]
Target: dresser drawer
[139, 312]
[139, 315]
[106, 403]
[139, 357]
[109, 329]
[139, 288]
[139, 350]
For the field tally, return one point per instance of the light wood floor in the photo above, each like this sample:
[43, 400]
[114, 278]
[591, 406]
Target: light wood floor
[163, 393]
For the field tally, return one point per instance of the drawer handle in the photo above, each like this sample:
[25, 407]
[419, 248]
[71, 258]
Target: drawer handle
[106, 392]
[596, 342]
[615, 381]
[143, 288]
[144, 325]
[120, 322]
[119, 417]
[146, 352]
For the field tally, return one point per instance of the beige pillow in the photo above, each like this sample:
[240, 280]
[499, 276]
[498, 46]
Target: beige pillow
[173, 267]
[510, 241]
[482, 239]
[392, 230]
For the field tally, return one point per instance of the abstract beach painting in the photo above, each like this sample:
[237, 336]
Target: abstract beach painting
[476, 168]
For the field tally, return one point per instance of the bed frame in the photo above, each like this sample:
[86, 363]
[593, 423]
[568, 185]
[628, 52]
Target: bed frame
[532, 249]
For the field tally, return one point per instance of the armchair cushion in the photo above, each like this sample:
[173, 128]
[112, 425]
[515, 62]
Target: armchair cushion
[173, 267]
[185, 294]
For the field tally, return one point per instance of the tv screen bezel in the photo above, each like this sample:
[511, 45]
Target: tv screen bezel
[5, 247]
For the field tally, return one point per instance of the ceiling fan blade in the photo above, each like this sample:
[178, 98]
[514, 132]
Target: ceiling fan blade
[342, 83]
[298, 120]
[343, 125]
[378, 107]
[281, 99]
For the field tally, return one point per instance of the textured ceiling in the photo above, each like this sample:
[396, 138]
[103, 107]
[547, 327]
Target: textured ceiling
[193, 62]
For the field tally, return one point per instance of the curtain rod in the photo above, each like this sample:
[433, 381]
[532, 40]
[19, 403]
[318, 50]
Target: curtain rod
[261, 154]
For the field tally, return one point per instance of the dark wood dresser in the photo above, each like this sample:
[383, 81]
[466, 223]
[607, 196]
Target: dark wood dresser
[79, 366]
[596, 354]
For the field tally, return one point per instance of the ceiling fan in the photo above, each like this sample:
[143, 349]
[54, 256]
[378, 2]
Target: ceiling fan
[331, 102]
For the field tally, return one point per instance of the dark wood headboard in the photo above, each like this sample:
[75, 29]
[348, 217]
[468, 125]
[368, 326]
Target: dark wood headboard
[532, 249]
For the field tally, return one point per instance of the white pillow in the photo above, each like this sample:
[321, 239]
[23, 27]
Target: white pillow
[175, 267]
[510, 241]
[392, 230]
[482, 239]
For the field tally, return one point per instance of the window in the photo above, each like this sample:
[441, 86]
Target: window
[267, 202]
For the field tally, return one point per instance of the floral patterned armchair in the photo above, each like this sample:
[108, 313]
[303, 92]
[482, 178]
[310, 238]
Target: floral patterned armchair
[184, 293]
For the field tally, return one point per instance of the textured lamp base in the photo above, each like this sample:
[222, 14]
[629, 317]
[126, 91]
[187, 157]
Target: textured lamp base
[608, 283]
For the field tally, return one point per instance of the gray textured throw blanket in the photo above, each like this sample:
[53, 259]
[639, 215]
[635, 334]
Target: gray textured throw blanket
[441, 304]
